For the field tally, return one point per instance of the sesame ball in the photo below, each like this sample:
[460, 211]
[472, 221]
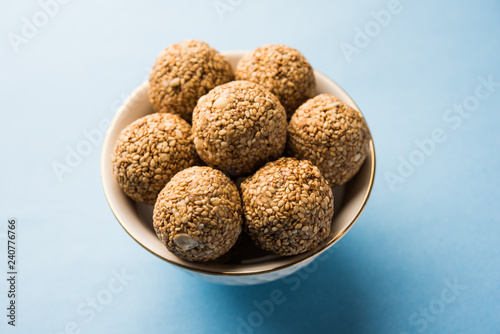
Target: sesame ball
[281, 69]
[184, 72]
[239, 126]
[198, 214]
[330, 134]
[288, 206]
[149, 152]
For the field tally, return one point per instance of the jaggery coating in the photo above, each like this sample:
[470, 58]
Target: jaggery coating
[184, 72]
[239, 126]
[283, 70]
[287, 206]
[332, 135]
[198, 214]
[149, 152]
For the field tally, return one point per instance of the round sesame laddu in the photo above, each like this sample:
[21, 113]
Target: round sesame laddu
[238, 127]
[184, 72]
[287, 206]
[283, 70]
[149, 152]
[332, 135]
[198, 214]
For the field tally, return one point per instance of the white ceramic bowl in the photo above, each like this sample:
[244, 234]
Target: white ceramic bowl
[242, 268]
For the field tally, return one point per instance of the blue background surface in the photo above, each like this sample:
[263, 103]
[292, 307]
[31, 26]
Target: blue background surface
[438, 226]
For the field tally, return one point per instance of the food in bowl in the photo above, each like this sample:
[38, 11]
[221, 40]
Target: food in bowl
[198, 214]
[281, 69]
[149, 152]
[239, 126]
[228, 123]
[183, 73]
[288, 206]
[332, 135]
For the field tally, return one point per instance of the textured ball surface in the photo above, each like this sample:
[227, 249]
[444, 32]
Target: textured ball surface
[149, 152]
[239, 126]
[198, 214]
[330, 134]
[288, 206]
[284, 71]
[184, 72]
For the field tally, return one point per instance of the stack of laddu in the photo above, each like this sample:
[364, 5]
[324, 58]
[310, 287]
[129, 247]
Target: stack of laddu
[208, 130]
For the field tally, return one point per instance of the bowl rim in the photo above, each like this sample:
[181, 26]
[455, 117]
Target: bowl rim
[320, 250]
